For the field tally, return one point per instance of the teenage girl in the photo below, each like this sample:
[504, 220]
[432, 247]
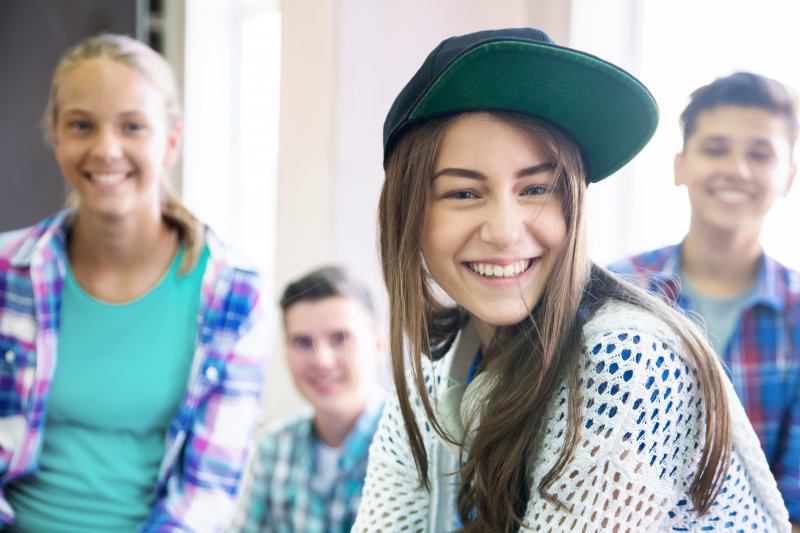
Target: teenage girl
[535, 390]
[130, 338]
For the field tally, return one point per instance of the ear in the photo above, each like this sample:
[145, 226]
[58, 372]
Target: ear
[677, 169]
[174, 139]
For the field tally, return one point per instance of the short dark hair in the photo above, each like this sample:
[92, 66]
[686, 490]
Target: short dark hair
[326, 282]
[743, 89]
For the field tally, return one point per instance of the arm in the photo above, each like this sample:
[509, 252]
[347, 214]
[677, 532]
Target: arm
[612, 481]
[200, 490]
[393, 498]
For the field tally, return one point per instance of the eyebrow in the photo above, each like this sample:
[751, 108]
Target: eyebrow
[77, 111]
[722, 139]
[474, 174]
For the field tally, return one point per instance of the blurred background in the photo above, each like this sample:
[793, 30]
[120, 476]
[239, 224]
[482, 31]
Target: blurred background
[285, 101]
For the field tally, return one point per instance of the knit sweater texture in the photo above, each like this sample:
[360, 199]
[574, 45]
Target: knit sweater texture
[639, 444]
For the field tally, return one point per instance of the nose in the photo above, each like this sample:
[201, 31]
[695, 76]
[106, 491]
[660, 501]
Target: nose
[736, 165]
[106, 144]
[504, 224]
[324, 354]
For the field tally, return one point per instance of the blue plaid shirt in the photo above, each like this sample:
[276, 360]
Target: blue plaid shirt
[762, 356]
[277, 495]
[208, 435]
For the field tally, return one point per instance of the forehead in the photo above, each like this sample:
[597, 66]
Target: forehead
[475, 137]
[337, 312]
[97, 81]
[736, 123]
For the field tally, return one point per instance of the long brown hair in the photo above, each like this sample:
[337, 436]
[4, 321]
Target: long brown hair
[154, 67]
[531, 359]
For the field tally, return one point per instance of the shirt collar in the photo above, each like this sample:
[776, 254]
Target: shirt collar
[767, 287]
[50, 234]
[355, 446]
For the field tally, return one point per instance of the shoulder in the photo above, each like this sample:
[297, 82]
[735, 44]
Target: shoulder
[639, 384]
[787, 279]
[17, 246]
[232, 276]
[285, 431]
[616, 317]
[633, 351]
[653, 261]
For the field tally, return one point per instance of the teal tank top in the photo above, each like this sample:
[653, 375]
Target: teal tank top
[120, 375]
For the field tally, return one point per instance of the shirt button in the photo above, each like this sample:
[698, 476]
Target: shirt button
[212, 374]
[10, 356]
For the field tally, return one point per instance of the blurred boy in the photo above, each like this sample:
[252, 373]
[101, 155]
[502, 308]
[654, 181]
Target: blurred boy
[307, 471]
[738, 137]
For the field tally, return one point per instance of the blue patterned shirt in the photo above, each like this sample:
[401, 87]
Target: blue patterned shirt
[278, 496]
[762, 357]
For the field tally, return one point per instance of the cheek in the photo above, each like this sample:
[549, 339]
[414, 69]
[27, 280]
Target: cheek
[551, 229]
[440, 235]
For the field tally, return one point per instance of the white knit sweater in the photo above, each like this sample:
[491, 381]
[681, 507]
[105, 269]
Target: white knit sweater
[639, 444]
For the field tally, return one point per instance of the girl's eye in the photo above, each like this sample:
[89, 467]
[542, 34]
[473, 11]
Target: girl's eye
[461, 195]
[80, 126]
[535, 190]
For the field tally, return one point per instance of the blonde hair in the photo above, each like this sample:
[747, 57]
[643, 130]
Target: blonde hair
[531, 358]
[157, 71]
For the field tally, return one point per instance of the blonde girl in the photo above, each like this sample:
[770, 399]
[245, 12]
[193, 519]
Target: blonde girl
[131, 338]
[535, 390]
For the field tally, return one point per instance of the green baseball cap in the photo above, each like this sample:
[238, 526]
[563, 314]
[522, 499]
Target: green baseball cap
[607, 112]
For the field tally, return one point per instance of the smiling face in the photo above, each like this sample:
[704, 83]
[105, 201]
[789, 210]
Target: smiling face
[112, 139]
[332, 347]
[495, 225]
[734, 165]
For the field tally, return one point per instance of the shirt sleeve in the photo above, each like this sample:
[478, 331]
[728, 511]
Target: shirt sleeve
[639, 446]
[200, 493]
[640, 405]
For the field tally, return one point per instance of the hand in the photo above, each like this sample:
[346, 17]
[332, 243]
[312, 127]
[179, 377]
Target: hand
[795, 527]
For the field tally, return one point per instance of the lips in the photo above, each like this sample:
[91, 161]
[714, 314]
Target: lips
[732, 196]
[106, 178]
[493, 270]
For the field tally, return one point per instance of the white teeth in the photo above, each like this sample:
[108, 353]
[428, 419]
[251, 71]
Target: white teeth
[107, 178]
[498, 271]
[732, 196]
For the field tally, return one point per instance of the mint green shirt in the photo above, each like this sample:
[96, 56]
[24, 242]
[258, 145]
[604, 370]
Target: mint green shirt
[121, 373]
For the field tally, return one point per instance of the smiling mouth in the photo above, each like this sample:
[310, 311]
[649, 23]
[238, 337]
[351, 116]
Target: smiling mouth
[106, 178]
[490, 270]
[732, 196]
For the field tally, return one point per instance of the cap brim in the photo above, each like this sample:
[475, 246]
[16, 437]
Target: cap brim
[608, 112]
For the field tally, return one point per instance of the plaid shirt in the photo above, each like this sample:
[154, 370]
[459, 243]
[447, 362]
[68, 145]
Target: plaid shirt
[277, 495]
[206, 439]
[762, 356]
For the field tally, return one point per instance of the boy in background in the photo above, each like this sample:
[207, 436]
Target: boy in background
[739, 134]
[307, 471]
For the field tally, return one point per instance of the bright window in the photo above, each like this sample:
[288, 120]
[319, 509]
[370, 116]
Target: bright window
[232, 80]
